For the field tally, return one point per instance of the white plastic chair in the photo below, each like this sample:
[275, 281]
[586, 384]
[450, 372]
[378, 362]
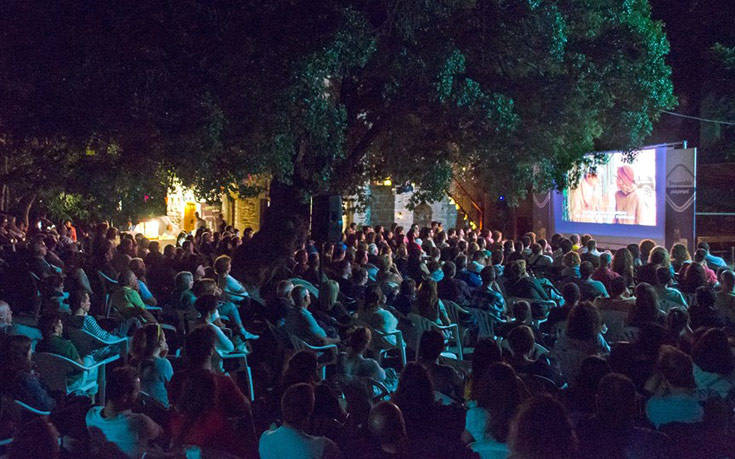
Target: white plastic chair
[55, 369]
[301, 345]
[108, 285]
[422, 324]
[456, 313]
[306, 284]
[382, 343]
[32, 333]
[485, 322]
[86, 342]
[490, 449]
[242, 357]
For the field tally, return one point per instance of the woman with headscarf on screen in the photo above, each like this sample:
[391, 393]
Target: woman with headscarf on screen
[628, 209]
[584, 201]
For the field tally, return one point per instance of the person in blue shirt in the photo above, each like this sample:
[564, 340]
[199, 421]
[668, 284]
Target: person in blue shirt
[714, 262]
[488, 296]
[588, 287]
[463, 274]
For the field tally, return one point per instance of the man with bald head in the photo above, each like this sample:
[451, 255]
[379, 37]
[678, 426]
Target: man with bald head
[388, 429]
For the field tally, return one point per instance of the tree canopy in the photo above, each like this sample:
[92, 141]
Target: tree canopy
[323, 95]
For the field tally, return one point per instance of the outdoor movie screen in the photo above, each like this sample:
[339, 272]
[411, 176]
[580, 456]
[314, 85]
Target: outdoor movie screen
[616, 192]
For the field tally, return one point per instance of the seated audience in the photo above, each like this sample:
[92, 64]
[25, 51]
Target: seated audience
[445, 379]
[290, 439]
[148, 355]
[541, 429]
[581, 339]
[673, 388]
[18, 378]
[604, 272]
[114, 429]
[588, 287]
[126, 300]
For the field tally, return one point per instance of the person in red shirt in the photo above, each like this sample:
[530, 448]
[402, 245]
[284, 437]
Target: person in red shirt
[210, 410]
[604, 273]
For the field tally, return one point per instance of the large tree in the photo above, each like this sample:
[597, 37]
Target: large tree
[321, 96]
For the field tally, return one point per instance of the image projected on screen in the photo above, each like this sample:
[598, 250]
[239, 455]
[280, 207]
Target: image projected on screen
[616, 192]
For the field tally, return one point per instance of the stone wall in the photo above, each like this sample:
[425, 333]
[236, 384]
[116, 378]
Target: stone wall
[382, 205]
[387, 207]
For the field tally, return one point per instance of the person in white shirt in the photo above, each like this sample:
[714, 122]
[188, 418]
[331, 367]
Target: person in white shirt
[114, 429]
[290, 440]
[207, 307]
[233, 292]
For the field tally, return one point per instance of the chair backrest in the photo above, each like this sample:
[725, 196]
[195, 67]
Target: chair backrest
[306, 284]
[299, 344]
[419, 324]
[490, 449]
[54, 370]
[454, 311]
[485, 323]
[83, 341]
[32, 333]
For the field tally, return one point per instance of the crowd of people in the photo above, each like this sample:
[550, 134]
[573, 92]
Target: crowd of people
[391, 342]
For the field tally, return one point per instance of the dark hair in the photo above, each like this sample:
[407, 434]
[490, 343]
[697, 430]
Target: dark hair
[586, 269]
[449, 269]
[373, 296]
[414, 389]
[663, 275]
[144, 344]
[408, 287]
[206, 304]
[487, 274]
[694, 277]
[486, 352]
[616, 401]
[386, 423]
[301, 368]
[705, 297]
[541, 429]
[76, 297]
[676, 367]
[297, 403]
[196, 399]
[122, 383]
[645, 308]
[500, 392]
[521, 310]
[47, 322]
[35, 438]
[584, 322]
[431, 345]
[359, 339]
[199, 345]
[617, 286]
[571, 294]
[521, 340]
[712, 352]
[591, 371]
[14, 357]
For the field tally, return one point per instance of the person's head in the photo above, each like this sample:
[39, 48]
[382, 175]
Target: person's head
[431, 345]
[616, 401]
[617, 287]
[488, 275]
[694, 277]
[645, 247]
[297, 404]
[147, 343]
[359, 340]
[659, 256]
[199, 347]
[428, 299]
[137, 266]
[123, 388]
[500, 392]
[700, 255]
[205, 286]
[35, 438]
[521, 341]
[680, 253]
[541, 429]
[486, 352]
[373, 297]
[571, 259]
[127, 278]
[518, 269]
[386, 423]
[79, 301]
[586, 269]
[184, 281]
[16, 355]
[50, 325]
[705, 297]
[206, 305]
[727, 280]
[712, 352]
[663, 276]
[584, 322]
[414, 388]
[39, 248]
[328, 292]
[408, 288]
[645, 308]
[522, 311]
[300, 296]
[6, 314]
[222, 265]
[675, 367]
[449, 269]
[571, 294]
[677, 320]
[496, 257]
[703, 246]
[591, 245]
[605, 260]
[301, 368]
[284, 288]
[574, 238]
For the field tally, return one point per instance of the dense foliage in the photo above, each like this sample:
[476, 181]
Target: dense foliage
[324, 95]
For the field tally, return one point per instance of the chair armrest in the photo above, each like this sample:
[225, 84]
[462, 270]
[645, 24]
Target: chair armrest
[323, 348]
[168, 327]
[110, 359]
[105, 341]
[153, 308]
[31, 409]
[232, 355]
[446, 327]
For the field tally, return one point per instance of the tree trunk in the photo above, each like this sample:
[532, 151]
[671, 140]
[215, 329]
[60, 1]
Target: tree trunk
[27, 211]
[284, 229]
